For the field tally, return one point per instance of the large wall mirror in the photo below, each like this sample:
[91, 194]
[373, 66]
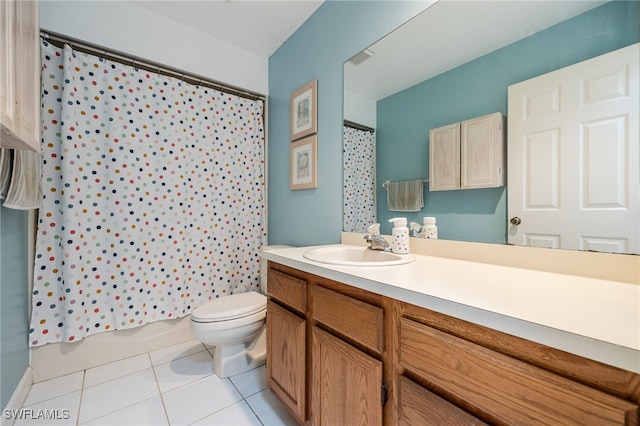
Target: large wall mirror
[453, 62]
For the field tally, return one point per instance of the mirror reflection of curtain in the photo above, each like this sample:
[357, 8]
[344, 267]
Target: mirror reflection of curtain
[153, 197]
[359, 203]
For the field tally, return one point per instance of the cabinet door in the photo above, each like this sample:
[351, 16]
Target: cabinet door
[7, 65]
[444, 158]
[346, 383]
[482, 152]
[20, 75]
[28, 73]
[286, 358]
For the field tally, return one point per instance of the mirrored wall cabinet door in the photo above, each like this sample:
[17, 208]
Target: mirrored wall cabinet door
[467, 155]
[444, 153]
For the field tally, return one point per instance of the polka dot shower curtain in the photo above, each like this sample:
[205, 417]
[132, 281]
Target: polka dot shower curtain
[153, 197]
[359, 163]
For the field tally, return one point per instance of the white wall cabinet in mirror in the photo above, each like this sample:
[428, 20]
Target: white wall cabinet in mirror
[444, 155]
[468, 155]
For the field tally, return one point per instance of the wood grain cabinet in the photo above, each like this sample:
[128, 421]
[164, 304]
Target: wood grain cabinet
[347, 345]
[324, 349]
[338, 355]
[287, 341]
[469, 374]
[345, 384]
[469, 154]
[419, 406]
[19, 75]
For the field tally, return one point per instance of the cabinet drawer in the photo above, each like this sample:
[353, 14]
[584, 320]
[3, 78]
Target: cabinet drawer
[358, 321]
[419, 406]
[287, 289]
[504, 389]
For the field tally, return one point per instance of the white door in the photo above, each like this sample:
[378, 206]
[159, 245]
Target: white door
[574, 157]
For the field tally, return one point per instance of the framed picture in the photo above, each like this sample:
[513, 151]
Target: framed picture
[304, 111]
[303, 169]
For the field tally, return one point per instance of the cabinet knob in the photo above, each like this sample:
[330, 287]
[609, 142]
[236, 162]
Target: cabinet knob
[515, 220]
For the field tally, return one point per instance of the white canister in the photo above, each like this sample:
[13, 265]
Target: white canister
[399, 235]
[429, 228]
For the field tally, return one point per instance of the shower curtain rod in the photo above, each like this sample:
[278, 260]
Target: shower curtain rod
[123, 58]
[358, 126]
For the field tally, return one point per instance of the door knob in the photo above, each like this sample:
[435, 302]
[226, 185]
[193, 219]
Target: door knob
[515, 220]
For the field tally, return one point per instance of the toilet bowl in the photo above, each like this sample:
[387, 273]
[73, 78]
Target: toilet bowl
[235, 326]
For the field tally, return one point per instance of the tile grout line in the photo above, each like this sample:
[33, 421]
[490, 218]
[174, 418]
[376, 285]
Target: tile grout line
[155, 376]
[126, 406]
[249, 396]
[84, 377]
[84, 386]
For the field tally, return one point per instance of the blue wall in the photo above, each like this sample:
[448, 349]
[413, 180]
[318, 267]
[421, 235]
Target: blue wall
[475, 89]
[340, 29]
[14, 313]
[317, 50]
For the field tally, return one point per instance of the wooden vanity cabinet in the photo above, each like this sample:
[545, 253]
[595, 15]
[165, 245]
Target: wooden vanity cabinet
[419, 406]
[325, 344]
[340, 355]
[480, 375]
[287, 341]
[345, 385]
[346, 363]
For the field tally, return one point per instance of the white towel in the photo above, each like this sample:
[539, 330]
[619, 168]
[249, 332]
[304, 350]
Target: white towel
[5, 171]
[24, 192]
[405, 196]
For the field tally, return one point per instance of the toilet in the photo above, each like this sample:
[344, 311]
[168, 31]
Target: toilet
[235, 326]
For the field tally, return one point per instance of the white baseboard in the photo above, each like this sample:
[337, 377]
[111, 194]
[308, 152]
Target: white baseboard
[20, 393]
[58, 359]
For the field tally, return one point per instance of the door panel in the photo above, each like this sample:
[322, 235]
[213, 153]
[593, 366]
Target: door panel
[574, 156]
[346, 383]
[286, 357]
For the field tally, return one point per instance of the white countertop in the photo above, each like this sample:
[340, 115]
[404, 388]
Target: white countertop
[594, 318]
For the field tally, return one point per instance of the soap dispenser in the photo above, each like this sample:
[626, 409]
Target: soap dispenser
[399, 235]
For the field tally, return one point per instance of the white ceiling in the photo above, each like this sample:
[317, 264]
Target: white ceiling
[451, 33]
[259, 26]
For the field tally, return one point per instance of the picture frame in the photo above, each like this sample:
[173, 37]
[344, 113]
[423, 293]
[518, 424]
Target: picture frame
[304, 111]
[304, 164]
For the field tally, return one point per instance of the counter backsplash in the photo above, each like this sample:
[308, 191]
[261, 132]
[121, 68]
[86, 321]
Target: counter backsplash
[615, 267]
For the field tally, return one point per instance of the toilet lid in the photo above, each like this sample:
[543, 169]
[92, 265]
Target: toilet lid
[232, 306]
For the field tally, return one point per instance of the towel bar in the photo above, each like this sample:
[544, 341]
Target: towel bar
[386, 183]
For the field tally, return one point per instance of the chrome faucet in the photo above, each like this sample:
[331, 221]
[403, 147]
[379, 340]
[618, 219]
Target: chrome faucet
[377, 242]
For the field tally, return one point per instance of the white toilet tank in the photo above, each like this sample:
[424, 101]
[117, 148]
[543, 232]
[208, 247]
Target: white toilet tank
[264, 269]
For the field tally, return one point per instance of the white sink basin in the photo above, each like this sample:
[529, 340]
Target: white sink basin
[356, 256]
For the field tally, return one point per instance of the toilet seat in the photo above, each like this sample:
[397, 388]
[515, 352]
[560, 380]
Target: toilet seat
[231, 307]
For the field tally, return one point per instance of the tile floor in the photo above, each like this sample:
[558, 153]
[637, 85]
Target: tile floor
[171, 386]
